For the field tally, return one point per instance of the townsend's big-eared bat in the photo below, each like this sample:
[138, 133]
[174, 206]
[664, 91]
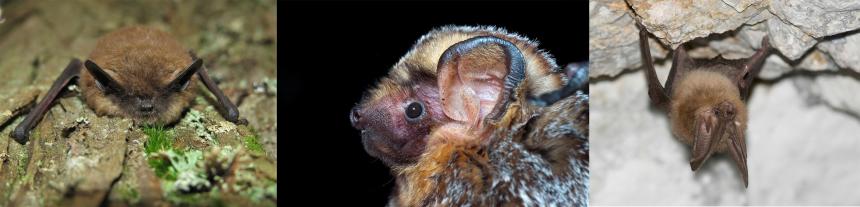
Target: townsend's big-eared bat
[479, 116]
[705, 100]
[134, 72]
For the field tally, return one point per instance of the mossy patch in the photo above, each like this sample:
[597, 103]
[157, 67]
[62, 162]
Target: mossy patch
[162, 168]
[159, 139]
[252, 143]
[214, 174]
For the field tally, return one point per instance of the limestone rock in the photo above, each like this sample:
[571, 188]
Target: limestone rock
[844, 51]
[818, 18]
[676, 22]
[808, 35]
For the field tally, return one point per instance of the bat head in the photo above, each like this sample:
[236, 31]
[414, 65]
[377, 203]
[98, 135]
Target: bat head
[472, 81]
[707, 113]
[146, 98]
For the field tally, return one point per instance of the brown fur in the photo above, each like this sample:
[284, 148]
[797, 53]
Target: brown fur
[143, 61]
[697, 91]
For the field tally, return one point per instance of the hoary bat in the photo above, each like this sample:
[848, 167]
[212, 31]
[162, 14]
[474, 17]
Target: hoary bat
[479, 116]
[705, 100]
[134, 72]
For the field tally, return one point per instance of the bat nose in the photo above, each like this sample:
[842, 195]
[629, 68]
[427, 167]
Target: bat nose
[146, 107]
[355, 117]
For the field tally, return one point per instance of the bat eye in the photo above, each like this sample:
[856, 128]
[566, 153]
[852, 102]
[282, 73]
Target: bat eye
[414, 110]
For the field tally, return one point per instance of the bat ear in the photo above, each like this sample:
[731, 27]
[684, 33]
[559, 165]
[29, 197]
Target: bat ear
[704, 140]
[103, 80]
[711, 127]
[181, 81]
[477, 76]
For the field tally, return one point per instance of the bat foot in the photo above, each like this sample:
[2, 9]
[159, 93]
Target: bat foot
[242, 121]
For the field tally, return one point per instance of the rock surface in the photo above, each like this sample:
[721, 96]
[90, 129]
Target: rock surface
[795, 28]
[76, 157]
[809, 37]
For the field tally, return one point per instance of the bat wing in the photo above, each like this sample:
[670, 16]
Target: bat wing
[656, 92]
[72, 71]
[681, 64]
[751, 68]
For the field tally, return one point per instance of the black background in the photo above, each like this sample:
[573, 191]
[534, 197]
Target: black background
[331, 52]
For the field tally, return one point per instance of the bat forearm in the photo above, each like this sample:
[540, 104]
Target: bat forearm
[231, 112]
[655, 91]
[21, 132]
[753, 67]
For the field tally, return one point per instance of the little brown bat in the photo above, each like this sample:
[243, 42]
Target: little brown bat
[453, 121]
[135, 72]
[705, 99]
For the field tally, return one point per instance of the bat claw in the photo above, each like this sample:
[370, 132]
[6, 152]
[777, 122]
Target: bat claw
[765, 43]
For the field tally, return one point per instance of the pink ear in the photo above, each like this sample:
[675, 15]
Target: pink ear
[473, 77]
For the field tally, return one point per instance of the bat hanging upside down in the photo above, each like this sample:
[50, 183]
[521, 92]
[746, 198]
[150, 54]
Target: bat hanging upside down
[134, 72]
[705, 99]
[478, 116]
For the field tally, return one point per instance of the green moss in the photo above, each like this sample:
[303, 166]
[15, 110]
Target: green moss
[159, 139]
[183, 172]
[162, 168]
[252, 143]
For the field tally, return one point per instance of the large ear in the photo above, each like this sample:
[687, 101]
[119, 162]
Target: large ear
[181, 81]
[103, 81]
[477, 76]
